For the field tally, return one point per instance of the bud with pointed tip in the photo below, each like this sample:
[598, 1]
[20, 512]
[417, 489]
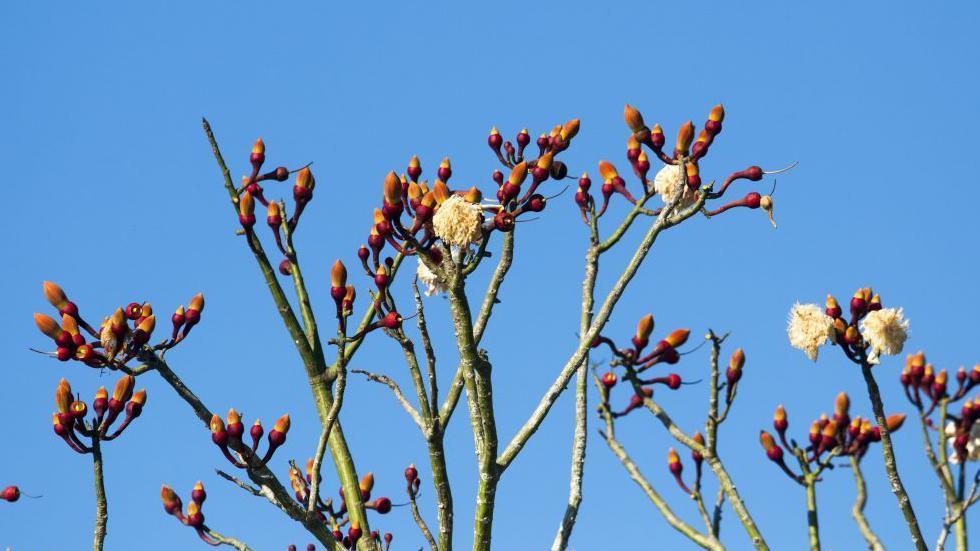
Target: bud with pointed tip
[305, 183]
[569, 130]
[684, 137]
[773, 451]
[842, 405]
[678, 337]
[273, 215]
[715, 118]
[780, 421]
[895, 421]
[246, 210]
[218, 433]
[697, 457]
[445, 170]
[171, 502]
[634, 120]
[47, 325]
[63, 396]
[644, 328]
[277, 436]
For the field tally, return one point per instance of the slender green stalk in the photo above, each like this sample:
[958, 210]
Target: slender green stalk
[580, 435]
[891, 466]
[857, 511]
[101, 505]
[609, 435]
[812, 522]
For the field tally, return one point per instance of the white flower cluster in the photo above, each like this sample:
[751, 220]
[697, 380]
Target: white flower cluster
[669, 183]
[809, 328]
[886, 331]
[457, 222]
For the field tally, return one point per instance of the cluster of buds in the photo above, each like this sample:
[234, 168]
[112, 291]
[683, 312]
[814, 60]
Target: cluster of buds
[919, 378]
[840, 435]
[69, 419]
[676, 467]
[636, 359]
[251, 192]
[925, 388]
[869, 332]
[679, 181]
[121, 336]
[336, 516]
[229, 438]
[194, 517]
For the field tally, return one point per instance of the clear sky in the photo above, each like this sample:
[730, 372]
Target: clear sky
[111, 191]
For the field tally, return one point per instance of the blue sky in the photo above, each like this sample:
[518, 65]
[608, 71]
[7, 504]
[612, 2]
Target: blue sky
[113, 193]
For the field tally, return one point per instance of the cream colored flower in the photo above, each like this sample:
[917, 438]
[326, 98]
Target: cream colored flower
[972, 445]
[428, 278]
[671, 187]
[457, 222]
[885, 330]
[809, 328]
[110, 344]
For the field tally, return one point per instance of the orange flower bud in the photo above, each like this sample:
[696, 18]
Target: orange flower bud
[124, 388]
[842, 404]
[830, 429]
[440, 191]
[544, 161]
[678, 337]
[633, 118]
[47, 325]
[767, 441]
[55, 295]
[139, 397]
[62, 396]
[367, 482]
[272, 212]
[69, 325]
[895, 421]
[607, 170]
[258, 148]
[644, 327]
[673, 458]
[148, 324]
[518, 174]
[246, 206]
[717, 113]
[737, 360]
[216, 425]
[282, 424]
[684, 136]
[233, 417]
[570, 129]
[414, 192]
[171, 503]
[197, 302]
[392, 189]
[780, 415]
[338, 275]
[305, 179]
[473, 195]
[632, 143]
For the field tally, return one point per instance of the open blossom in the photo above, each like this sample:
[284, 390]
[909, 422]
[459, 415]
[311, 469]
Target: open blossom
[972, 445]
[457, 222]
[809, 328]
[671, 187]
[885, 330]
[428, 278]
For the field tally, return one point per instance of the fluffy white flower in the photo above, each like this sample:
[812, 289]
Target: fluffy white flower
[670, 185]
[809, 328]
[885, 330]
[972, 445]
[457, 222]
[428, 278]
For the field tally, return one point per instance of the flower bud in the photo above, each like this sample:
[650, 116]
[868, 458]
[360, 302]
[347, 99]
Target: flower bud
[414, 168]
[277, 436]
[607, 170]
[773, 451]
[171, 502]
[246, 210]
[895, 421]
[842, 404]
[10, 494]
[569, 130]
[382, 505]
[609, 379]
[218, 434]
[833, 309]
[63, 396]
[56, 296]
[273, 215]
[634, 120]
[715, 118]
[338, 276]
[684, 137]
[779, 420]
[445, 170]
[674, 462]
[47, 325]
[644, 328]
[366, 484]
[678, 337]
[392, 189]
[195, 518]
